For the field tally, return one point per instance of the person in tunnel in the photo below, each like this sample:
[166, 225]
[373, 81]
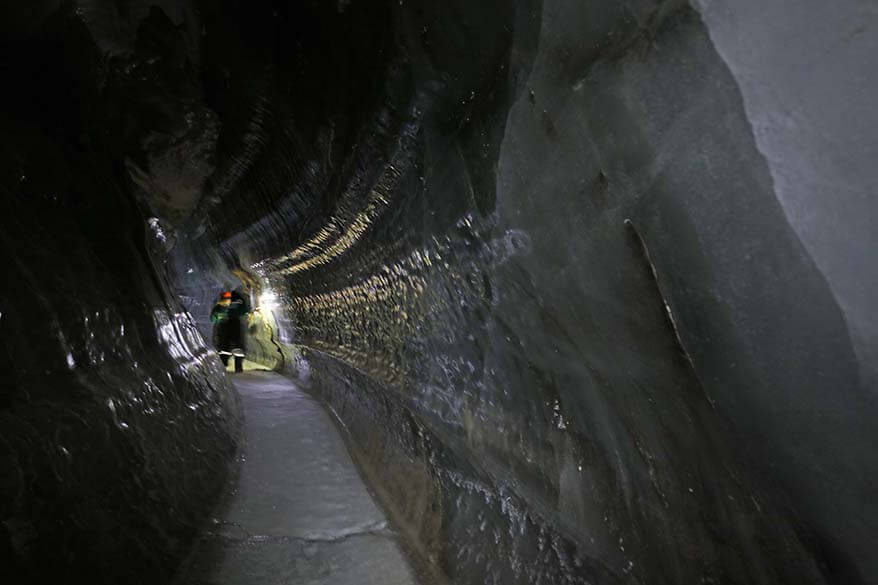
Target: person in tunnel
[229, 316]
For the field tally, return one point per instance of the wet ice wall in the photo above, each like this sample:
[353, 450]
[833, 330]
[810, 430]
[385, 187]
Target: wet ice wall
[115, 422]
[568, 318]
[671, 147]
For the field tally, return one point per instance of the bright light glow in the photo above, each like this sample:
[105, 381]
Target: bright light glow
[156, 226]
[268, 300]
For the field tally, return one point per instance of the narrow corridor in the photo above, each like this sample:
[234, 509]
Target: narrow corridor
[532, 292]
[298, 511]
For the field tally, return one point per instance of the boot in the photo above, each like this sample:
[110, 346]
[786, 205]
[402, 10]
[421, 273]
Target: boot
[239, 364]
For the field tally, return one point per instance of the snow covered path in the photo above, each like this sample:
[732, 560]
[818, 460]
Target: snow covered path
[299, 512]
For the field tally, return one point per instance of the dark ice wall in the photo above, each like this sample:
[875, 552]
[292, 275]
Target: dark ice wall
[115, 422]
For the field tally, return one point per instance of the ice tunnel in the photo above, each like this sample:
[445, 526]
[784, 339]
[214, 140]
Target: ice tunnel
[586, 287]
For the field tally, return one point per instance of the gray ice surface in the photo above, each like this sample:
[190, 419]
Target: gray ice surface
[299, 513]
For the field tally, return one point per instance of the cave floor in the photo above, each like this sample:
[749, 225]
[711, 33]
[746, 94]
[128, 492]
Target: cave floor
[298, 511]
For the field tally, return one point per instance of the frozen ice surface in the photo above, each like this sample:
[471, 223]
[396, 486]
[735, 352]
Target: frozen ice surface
[299, 512]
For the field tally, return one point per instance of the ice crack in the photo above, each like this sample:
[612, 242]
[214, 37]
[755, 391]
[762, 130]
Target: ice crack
[373, 528]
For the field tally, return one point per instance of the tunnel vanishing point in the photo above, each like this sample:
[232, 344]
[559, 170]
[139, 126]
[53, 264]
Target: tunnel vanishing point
[588, 286]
